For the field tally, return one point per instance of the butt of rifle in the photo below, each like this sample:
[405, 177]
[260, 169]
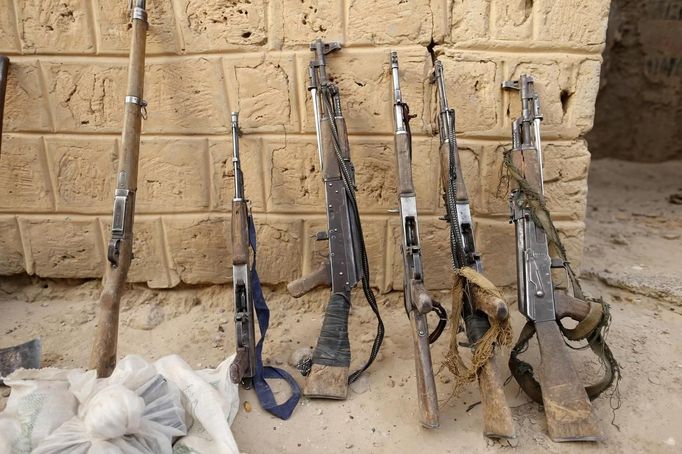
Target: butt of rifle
[427, 396]
[569, 412]
[328, 377]
[327, 382]
[497, 417]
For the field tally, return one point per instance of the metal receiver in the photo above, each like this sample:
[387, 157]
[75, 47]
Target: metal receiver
[535, 288]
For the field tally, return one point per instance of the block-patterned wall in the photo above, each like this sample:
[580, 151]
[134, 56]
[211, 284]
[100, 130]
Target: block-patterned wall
[205, 58]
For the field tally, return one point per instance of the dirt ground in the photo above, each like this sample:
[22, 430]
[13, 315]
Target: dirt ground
[633, 254]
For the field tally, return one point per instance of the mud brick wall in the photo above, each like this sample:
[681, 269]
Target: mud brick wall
[206, 58]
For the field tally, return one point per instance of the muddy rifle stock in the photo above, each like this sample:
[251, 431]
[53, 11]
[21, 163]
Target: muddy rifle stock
[569, 413]
[120, 247]
[478, 308]
[418, 302]
[347, 263]
[249, 302]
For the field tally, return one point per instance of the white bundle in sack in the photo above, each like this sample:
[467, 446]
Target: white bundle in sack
[134, 411]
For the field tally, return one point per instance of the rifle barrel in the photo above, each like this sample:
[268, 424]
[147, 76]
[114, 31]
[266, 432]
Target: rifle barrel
[397, 96]
[238, 177]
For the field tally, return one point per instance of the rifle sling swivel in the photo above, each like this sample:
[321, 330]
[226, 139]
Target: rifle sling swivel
[139, 102]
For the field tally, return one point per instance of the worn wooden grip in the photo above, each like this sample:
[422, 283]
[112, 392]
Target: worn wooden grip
[568, 306]
[420, 297]
[492, 306]
[318, 277]
[404, 164]
[426, 384]
[240, 233]
[567, 407]
[103, 357]
[497, 417]
[588, 315]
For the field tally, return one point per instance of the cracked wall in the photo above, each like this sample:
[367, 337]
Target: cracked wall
[204, 59]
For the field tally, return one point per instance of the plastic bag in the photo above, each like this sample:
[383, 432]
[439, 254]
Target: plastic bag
[213, 401]
[134, 411]
[34, 409]
[78, 413]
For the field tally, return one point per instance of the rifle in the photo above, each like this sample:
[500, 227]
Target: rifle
[568, 410]
[347, 263]
[247, 367]
[120, 248]
[418, 302]
[4, 66]
[478, 302]
[243, 368]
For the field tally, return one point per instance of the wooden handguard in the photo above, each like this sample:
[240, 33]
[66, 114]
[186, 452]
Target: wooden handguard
[240, 233]
[402, 145]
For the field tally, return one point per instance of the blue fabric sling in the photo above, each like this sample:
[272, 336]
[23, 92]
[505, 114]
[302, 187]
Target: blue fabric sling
[263, 391]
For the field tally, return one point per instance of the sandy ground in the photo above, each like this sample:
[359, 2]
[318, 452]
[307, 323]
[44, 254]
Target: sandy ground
[633, 258]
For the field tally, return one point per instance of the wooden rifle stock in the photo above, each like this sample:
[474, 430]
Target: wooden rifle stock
[120, 248]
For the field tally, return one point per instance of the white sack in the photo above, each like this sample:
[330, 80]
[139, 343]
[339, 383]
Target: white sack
[40, 402]
[73, 412]
[213, 401]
